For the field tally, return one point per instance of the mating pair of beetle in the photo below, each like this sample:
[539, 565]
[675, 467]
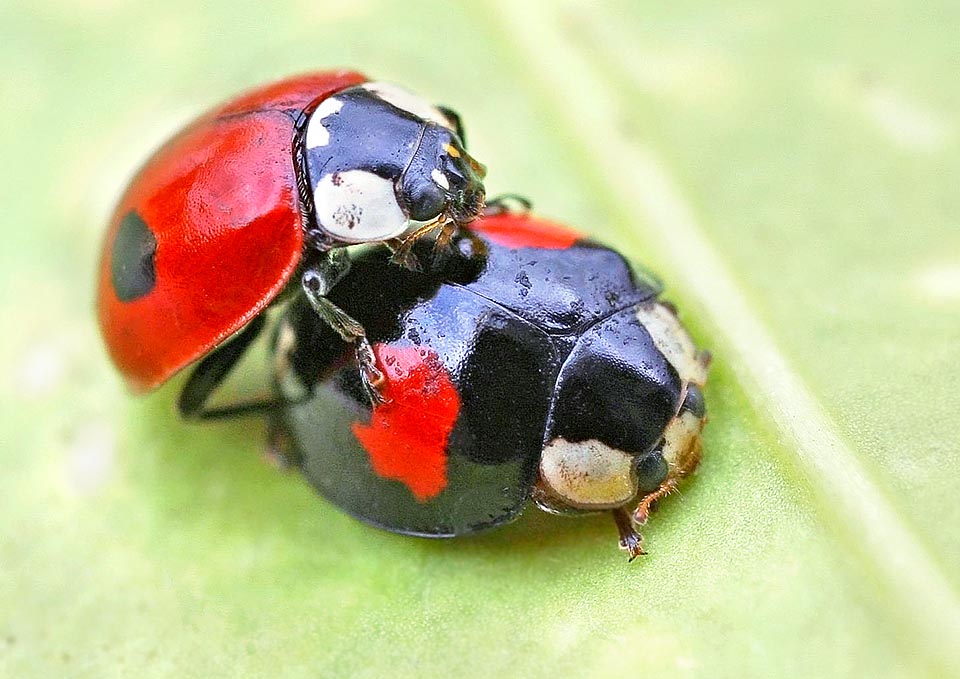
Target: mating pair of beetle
[432, 386]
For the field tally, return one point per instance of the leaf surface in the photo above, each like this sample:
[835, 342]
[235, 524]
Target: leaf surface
[791, 174]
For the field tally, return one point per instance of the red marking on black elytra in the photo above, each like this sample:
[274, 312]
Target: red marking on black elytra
[407, 435]
[525, 231]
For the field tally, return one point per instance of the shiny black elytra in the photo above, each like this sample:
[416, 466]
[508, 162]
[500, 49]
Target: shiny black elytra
[543, 346]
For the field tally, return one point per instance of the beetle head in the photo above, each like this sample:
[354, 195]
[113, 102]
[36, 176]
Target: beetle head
[442, 180]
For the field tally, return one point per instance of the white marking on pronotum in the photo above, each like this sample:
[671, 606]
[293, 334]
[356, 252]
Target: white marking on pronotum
[588, 473]
[317, 133]
[440, 179]
[680, 437]
[408, 101]
[673, 341]
[358, 207]
[907, 123]
[940, 283]
[924, 600]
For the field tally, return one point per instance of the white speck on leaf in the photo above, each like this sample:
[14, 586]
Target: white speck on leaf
[940, 283]
[906, 123]
[41, 370]
[90, 457]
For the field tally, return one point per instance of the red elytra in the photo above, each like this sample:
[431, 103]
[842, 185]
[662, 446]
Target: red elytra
[221, 201]
[407, 435]
[515, 230]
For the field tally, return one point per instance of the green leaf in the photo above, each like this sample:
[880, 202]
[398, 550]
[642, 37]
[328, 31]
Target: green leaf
[790, 172]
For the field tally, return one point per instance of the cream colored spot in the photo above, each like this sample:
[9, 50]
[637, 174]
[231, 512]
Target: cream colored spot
[409, 102]
[358, 207]
[673, 341]
[440, 179]
[940, 283]
[588, 474]
[317, 134]
[680, 442]
[906, 123]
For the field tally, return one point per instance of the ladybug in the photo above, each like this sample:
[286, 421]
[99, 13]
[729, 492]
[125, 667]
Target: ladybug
[547, 370]
[258, 197]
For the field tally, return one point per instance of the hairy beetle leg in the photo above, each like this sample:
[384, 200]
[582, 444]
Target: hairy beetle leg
[351, 331]
[317, 281]
[443, 243]
[642, 512]
[371, 376]
[401, 255]
[403, 247]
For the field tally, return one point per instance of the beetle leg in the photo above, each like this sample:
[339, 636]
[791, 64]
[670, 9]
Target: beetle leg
[210, 373]
[642, 512]
[319, 277]
[372, 377]
[444, 237]
[444, 243]
[401, 256]
[403, 247]
[352, 332]
[507, 203]
[280, 452]
[630, 540]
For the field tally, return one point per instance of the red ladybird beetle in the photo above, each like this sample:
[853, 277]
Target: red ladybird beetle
[263, 189]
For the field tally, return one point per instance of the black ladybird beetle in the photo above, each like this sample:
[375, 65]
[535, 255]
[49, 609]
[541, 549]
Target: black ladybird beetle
[548, 371]
[255, 198]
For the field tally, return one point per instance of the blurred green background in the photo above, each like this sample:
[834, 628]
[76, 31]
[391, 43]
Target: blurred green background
[790, 169]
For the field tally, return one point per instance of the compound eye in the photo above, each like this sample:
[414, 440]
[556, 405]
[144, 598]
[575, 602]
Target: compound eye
[425, 200]
[652, 470]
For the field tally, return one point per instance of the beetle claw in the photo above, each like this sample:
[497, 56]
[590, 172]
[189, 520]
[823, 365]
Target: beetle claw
[402, 256]
[443, 245]
[630, 540]
[371, 377]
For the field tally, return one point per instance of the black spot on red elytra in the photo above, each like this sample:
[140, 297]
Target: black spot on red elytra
[132, 267]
